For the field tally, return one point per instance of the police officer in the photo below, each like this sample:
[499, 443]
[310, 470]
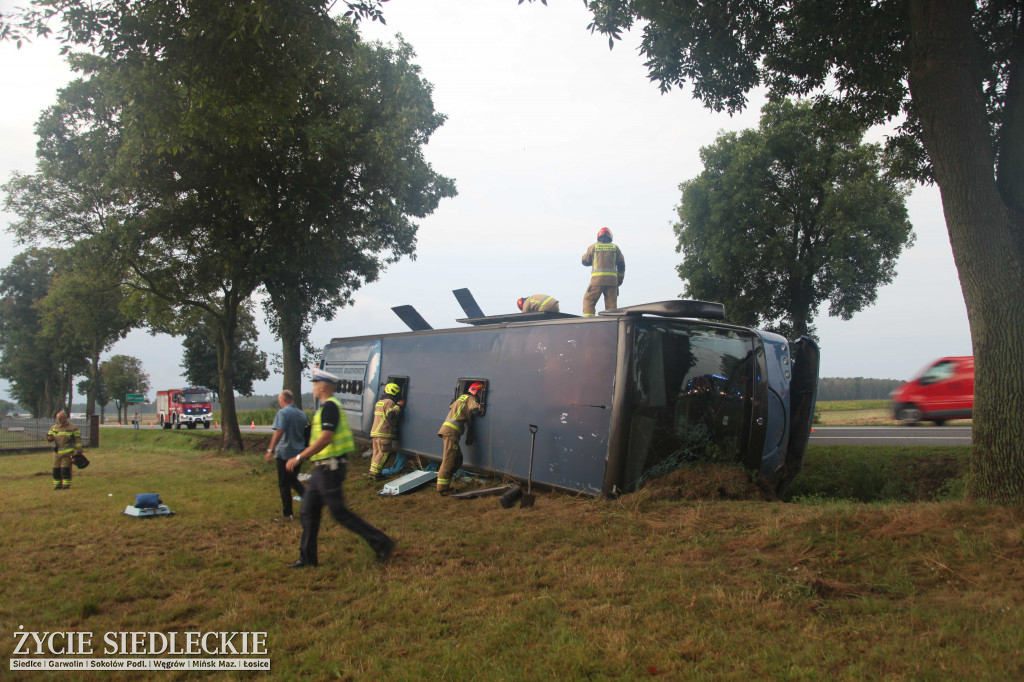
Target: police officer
[385, 427]
[608, 271]
[458, 421]
[540, 303]
[330, 441]
[67, 441]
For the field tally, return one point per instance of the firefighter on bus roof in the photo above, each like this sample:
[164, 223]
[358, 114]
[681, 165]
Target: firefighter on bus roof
[459, 421]
[541, 303]
[607, 273]
[385, 427]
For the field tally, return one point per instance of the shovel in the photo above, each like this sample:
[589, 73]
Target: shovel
[528, 497]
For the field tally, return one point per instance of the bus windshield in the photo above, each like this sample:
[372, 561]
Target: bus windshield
[691, 396]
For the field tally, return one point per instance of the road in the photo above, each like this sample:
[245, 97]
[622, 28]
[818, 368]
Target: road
[891, 435]
[147, 427]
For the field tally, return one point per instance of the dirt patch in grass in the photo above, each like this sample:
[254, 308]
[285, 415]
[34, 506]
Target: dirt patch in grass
[707, 482]
[250, 442]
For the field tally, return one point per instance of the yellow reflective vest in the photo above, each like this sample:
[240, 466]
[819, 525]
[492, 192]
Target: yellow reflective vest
[341, 444]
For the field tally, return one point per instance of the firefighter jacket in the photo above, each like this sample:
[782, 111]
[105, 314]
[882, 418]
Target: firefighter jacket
[67, 439]
[341, 444]
[609, 267]
[540, 303]
[459, 414]
[385, 419]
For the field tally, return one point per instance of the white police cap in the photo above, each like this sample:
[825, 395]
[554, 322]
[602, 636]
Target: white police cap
[322, 375]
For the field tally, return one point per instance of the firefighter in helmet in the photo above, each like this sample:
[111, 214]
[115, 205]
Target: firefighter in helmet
[540, 303]
[385, 428]
[67, 441]
[608, 268]
[459, 421]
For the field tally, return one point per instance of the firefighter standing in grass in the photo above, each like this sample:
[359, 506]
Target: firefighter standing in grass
[67, 441]
[385, 427]
[607, 273]
[540, 303]
[459, 421]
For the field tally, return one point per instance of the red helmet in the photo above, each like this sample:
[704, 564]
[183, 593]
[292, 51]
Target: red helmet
[604, 232]
[520, 303]
[474, 388]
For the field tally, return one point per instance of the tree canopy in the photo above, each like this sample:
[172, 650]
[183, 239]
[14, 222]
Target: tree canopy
[199, 360]
[221, 139]
[123, 374]
[789, 216]
[39, 353]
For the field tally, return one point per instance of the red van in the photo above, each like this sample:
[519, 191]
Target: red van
[943, 390]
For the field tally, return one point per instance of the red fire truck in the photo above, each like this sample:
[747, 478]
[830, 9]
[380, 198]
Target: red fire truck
[188, 406]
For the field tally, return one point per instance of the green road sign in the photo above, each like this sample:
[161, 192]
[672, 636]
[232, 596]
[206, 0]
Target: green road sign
[135, 398]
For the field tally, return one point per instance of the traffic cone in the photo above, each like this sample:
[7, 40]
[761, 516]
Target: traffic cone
[253, 425]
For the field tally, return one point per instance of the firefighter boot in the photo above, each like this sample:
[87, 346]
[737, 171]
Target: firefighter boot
[56, 479]
[66, 477]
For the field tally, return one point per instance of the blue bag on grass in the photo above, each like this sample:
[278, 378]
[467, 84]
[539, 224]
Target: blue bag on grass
[148, 501]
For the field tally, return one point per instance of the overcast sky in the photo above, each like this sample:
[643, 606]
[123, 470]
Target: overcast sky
[550, 136]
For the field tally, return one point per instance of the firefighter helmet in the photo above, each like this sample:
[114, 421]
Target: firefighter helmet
[474, 388]
[392, 389]
[520, 303]
[604, 232]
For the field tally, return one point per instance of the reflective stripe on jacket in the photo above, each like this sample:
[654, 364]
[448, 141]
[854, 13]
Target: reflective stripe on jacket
[609, 267]
[341, 444]
[385, 419]
[464, 407]
[540, 303]
[67, 438]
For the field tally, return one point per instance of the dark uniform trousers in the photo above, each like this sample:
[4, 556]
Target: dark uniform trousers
[286, 482]
[324, 489]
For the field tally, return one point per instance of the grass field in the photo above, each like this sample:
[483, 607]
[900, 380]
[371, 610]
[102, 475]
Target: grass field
[575, 588]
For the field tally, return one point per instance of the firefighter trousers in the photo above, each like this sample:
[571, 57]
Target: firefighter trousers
[451, 461]
[381, 452]
[593, 294]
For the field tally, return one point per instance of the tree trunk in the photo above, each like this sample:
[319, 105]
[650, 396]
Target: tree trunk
[94, 372]
[290, 329]
[945, 82]
[231, 436]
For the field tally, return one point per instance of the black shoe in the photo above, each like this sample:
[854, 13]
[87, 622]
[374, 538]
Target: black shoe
[299, 563]
[384, 553]
[375, 478]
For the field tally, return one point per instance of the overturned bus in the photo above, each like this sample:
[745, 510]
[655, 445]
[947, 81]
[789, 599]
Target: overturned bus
[603, 403]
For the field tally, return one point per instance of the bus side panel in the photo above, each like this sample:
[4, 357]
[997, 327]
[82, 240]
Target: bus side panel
[357, 364]
[558, 377]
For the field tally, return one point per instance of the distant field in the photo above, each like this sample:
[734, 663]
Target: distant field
[848, 405]
[860, 413]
